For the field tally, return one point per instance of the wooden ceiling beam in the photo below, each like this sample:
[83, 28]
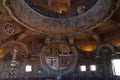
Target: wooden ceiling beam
[71, 39]
[23, 35]
[47, 39]
[94, 35]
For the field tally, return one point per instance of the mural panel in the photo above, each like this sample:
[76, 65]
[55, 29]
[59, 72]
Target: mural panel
[58, 56]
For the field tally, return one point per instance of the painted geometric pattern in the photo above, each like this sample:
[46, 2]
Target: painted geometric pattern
[59, 63]
[58, 56]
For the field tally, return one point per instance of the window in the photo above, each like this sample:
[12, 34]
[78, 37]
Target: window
[28, 68]
[83, 68]
[116, 67]
[93, 67]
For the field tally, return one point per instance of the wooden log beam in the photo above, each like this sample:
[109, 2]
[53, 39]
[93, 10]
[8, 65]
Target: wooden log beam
[23, 35]
[71, 39]
[94, 35]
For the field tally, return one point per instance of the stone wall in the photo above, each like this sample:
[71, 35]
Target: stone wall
[101, 58]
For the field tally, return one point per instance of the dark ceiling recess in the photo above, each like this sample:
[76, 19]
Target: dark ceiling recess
[55, 8]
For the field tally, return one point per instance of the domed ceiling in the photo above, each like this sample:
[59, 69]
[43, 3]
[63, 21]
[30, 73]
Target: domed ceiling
[84, 23]
[75, 28]
[92, 13]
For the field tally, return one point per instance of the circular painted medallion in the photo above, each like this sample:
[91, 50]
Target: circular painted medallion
[58, 57]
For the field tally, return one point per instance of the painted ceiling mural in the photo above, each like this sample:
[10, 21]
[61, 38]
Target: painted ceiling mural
[94, 12]
[58, 56]
[14, 50]
[27, 28]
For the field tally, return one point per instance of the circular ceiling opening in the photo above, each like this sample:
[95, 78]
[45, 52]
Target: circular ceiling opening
[61, 8]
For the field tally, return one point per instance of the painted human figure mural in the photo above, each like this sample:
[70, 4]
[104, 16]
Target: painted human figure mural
[14, 53]
[14, 57]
